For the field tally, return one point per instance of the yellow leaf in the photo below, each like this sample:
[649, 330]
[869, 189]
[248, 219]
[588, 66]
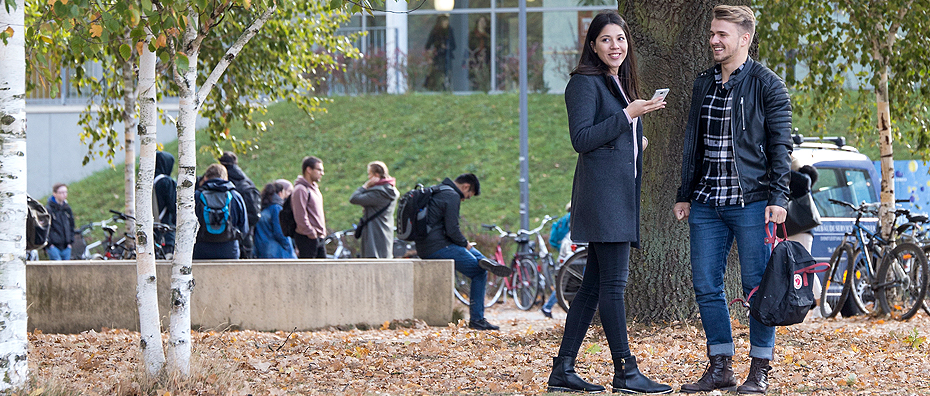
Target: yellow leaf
[96, 30]
[386, 325]
[140, 46]
[46, 39]
[64, 1]
[52, 2]
[161, 41]
[9, 31]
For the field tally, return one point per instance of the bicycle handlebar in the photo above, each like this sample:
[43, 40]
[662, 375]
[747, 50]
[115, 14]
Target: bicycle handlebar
[521, 231]
[121, 215]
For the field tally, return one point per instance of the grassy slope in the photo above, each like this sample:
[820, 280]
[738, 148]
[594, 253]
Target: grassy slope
[422, 138]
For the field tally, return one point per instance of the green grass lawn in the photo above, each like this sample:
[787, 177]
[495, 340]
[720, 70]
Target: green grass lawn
[422, 138]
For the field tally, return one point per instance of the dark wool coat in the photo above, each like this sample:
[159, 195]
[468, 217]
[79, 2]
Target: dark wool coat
[605, 192]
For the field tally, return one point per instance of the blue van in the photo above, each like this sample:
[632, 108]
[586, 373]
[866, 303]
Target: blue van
[845, 175]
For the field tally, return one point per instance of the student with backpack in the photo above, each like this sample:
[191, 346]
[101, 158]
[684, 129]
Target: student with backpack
[443, 239]
[270, 241]
[222, 216]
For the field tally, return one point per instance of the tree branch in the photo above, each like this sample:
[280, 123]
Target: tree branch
[232, 52]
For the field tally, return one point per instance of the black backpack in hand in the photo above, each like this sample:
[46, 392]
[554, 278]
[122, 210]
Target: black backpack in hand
[785, 294]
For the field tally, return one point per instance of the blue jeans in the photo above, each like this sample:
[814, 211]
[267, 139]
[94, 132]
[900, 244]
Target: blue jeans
[550, 302]
[713, 229]
[54, 253]
[466, 262]
[604, 284]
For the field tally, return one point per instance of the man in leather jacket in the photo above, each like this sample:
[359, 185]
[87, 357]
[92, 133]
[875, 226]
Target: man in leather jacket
[734, 181]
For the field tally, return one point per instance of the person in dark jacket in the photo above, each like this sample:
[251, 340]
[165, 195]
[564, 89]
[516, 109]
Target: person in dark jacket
[444, 240]
[605, 127]
[61, 233]
[215, 180]
[250, 196]
[734, 181]
[270, 241]
[165, 191]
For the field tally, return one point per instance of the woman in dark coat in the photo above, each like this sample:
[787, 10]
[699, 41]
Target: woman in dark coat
[604, 109]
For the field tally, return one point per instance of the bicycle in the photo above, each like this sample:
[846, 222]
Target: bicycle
[523, 284]
[568, 280]
[862, 282]
[341, 251]
[914, 231]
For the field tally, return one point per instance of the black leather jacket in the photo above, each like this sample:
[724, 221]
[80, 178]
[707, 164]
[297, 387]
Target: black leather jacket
[760, 122]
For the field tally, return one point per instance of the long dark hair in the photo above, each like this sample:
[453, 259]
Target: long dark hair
[591, 64]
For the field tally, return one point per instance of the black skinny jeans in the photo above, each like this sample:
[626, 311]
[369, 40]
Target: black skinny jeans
[604, 285]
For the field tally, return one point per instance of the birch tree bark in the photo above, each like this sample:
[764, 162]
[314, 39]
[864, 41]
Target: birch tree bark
[153, 355]
[184, 58]
[129, 136]
[13, 341]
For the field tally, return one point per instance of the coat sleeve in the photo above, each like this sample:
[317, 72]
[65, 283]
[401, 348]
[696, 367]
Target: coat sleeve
[451, 220]
[276, 231]
[299, 199]
[583, 102]
[371, 197]
[777, 106]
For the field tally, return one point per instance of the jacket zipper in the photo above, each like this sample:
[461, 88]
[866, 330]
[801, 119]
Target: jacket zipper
[739, 182]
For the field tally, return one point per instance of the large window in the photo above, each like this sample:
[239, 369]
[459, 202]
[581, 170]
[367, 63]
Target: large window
[843, 184]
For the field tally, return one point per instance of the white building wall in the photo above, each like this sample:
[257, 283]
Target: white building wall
[54, 152]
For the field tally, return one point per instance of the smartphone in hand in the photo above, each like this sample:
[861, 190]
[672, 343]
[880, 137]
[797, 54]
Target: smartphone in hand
[660, 93]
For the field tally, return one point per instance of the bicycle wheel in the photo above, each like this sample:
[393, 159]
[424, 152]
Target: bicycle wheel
[525, 282]
[569, 278]
[835, 290]
[547, 277]
[493, 291]
[862, 279]
[902, 281]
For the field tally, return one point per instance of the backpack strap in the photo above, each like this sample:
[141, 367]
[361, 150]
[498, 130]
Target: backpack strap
[812, 269]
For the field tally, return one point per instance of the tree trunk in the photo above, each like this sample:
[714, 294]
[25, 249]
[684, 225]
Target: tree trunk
[13, 341]
[886, 212]
[182, 279]
[129, 137]
[670, 39]
[153, 355]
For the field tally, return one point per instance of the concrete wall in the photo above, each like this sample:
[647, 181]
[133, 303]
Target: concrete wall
[265, 295]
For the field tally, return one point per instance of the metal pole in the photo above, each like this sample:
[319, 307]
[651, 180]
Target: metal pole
[524, 128]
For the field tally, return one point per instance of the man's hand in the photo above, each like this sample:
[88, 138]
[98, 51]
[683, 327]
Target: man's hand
[775, 214]
[682, 210]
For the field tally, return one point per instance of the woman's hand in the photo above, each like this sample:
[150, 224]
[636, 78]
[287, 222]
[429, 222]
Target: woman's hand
[371, 181]
[641, 106]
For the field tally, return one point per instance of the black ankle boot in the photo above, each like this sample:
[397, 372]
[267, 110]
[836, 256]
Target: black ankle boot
[628, 379]
[758, 379]
[564, 379]
[718, 375]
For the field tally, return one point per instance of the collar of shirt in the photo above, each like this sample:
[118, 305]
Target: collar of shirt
[718, 74]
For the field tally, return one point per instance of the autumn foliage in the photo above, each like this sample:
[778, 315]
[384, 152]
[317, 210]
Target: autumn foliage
[850, 356]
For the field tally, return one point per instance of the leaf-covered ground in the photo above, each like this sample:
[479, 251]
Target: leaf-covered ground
[853, 356]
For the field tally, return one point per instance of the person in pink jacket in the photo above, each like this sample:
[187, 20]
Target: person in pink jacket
[307, 204]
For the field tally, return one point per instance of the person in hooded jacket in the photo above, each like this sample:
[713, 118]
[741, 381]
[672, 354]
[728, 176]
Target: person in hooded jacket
[216, 179]
[270, 241]
[250, 196]
[378, 197]
[61, 234]
[165, 193]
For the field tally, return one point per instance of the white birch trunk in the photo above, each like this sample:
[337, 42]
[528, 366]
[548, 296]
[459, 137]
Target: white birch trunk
[13, 341]
[153, 354]
[190, 101]
[182, 279]
[129, 138]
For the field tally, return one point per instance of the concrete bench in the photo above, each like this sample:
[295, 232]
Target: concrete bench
[265, 295]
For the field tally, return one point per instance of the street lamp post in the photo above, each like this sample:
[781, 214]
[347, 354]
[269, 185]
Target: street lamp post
[524, 128]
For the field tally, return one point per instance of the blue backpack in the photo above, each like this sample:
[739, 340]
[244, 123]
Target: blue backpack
[213, 214]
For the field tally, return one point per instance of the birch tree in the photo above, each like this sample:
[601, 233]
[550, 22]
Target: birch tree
[13, 341]
[153, 355]
[882, 45]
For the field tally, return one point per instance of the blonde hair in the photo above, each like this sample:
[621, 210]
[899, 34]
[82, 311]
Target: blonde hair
[216, 171]
[741, 16]
[378, 168]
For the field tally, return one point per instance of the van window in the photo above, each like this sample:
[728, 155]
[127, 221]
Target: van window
[844, 184]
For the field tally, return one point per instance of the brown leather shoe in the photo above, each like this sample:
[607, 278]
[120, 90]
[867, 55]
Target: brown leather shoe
[757, 381]
[718, 375]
